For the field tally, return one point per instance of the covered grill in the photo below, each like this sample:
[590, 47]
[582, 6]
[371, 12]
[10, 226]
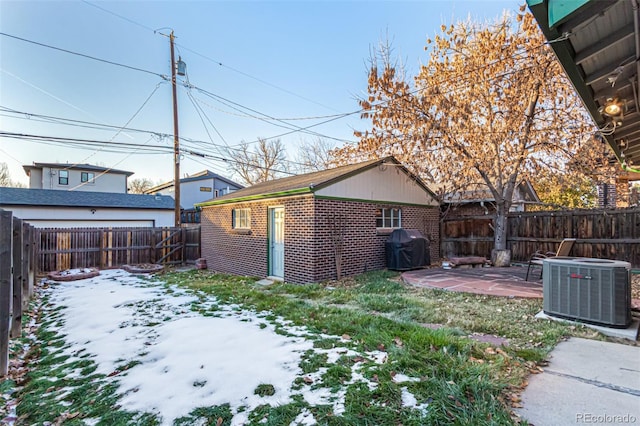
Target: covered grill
[407, 249]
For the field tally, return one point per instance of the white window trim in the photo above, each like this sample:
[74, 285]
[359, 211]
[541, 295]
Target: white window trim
[237, 218]
[389, 210]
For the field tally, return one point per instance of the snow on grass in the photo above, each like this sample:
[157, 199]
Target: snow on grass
[102, 315]
[401, 378]
[211, 361]
[410, 401]
[169, 359]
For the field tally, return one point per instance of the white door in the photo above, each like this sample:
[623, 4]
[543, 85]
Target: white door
[276, 242]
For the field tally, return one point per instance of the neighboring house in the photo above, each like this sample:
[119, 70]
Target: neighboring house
[76, 177]
[481, 201]
[291, 228]
[196, 188]
[46, 208]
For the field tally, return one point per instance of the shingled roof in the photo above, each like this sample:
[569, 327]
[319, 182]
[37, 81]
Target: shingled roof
[306, 183]
[203, 175]
[54, 198]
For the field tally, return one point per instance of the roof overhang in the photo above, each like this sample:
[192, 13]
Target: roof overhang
[597, 42]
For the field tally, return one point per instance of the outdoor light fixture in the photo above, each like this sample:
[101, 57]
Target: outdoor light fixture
[612, 108]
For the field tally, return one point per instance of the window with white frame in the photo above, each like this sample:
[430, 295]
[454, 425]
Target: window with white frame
[241, 218]
[88, 177]
[63, 177]
[389, 218]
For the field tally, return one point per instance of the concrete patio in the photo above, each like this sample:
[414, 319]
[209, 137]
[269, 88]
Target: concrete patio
[509, 281]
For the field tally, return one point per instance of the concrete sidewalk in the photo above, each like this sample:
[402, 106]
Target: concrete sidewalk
[586, 382]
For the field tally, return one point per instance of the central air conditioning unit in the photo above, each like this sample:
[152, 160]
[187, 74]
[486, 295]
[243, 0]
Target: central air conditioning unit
[596, 291]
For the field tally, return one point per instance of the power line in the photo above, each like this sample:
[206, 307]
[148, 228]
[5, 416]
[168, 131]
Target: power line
[119, 16]
[135, 114]
[217, 62]
[286, 125]
[231, 160]
[200, 113]
[303, 129]
[256, 78]
[11, 156]
[76, 123]
[159, 149]
[76, 141]
[83, 55]
[99, 126]
[81, 184]
[246, 115]
[266, 117]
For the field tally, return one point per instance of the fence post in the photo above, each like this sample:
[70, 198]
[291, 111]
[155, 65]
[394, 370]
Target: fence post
[152, 254]
[183, 237]
[35, 246]
[101, 251]
[27, 289]
[16, 318]
[5, 288]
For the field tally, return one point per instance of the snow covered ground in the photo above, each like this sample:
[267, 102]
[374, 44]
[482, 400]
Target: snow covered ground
[172, 350]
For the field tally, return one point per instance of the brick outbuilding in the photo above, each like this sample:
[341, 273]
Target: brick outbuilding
[303, 228]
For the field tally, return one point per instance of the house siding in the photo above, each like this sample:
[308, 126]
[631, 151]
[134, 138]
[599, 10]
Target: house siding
[190, 192]
[309, 248]
[47, 178]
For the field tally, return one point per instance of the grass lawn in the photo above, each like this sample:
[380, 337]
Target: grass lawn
[429, 369]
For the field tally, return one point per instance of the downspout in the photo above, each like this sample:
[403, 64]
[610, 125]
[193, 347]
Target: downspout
[636, 29]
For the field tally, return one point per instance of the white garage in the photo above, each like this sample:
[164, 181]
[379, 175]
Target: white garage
[44, 208]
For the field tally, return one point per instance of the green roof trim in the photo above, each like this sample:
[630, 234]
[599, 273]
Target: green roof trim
[256, 197]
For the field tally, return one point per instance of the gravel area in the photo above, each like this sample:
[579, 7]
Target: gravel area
[635, 286]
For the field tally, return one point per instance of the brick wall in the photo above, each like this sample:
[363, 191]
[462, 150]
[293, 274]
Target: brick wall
[363, 248]
[230, 252]
[299, 247]
[309, 237]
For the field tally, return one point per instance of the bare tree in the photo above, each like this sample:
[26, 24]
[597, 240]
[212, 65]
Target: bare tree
[315, 155]
[139, 185]
[260, 163]
[491, 107]
[5, 177]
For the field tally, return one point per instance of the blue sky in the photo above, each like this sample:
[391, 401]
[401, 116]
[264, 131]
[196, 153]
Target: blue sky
[285, 59]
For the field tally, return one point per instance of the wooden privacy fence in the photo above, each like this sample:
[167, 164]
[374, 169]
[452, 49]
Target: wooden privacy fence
[61, 248]
[469, 235]
[17, 279]
[606, 234]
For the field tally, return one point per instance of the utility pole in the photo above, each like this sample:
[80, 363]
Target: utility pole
[176, 139]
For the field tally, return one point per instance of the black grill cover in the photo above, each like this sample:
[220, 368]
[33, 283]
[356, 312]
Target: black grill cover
[407, 249]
